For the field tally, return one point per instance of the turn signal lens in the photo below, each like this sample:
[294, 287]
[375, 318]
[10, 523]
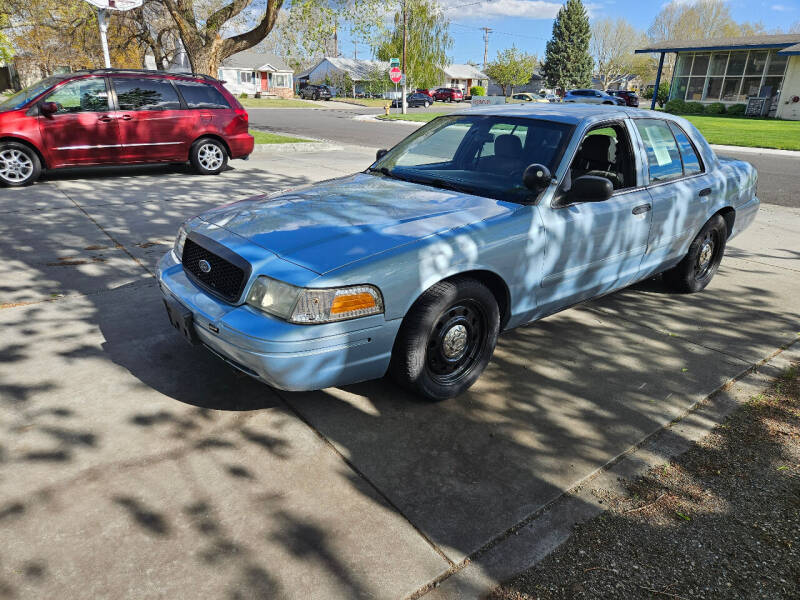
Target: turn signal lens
[350, 302]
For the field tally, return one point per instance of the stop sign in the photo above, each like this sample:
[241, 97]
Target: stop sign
[395, 75]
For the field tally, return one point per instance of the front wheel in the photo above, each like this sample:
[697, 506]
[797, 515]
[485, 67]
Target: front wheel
[702, 260]
[19, 165]
[427, 104]
[446, 339]
[208, 156]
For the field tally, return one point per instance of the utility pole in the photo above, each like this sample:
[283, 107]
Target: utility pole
[486, 32]
[355, 50]
[335, 41]
[405, 39]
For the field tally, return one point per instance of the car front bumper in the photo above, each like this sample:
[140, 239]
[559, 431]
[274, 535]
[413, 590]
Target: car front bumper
[281, 354]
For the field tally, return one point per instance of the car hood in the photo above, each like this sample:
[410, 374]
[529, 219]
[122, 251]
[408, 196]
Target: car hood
[325, 226]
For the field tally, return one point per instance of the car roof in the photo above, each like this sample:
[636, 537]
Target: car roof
[569, 113]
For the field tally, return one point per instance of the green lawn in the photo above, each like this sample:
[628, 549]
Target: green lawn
[263, 137]
[275, 103]
[372, 102]
[731, 131]
[760, 133]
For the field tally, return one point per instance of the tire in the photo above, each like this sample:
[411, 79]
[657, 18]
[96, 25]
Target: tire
[208, 156]
[702, 260]
[606, 102]
[316, 97]
[19, 165]
[446, 339]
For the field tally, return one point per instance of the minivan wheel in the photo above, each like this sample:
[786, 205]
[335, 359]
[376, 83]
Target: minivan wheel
[208, 156]
[19, 165]
[446, 339]
[702, 260]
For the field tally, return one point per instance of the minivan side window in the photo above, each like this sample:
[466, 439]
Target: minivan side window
[691, 164]
[201, 95]
[663, 156]
[81, 95]
[145, 94]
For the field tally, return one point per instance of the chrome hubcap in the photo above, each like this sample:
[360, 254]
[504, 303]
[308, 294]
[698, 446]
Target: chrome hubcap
[706, 252]
[15, 165]
[210, 157]
[455, 342]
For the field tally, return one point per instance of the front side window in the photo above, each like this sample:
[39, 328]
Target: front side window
[663, 156]
[81, 95]
[145, 94]
[606, 152]
[201, 95]
[482, 155]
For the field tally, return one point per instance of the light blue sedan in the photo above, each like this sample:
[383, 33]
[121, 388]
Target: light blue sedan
[481, 221]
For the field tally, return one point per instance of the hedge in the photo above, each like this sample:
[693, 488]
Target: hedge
[477, 90]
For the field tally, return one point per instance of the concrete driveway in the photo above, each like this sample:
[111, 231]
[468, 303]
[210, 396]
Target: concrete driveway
[133, 465]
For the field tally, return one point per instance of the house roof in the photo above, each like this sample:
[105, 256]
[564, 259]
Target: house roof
[730, 43]
[256, 60]
[463, 72]
[357, 68]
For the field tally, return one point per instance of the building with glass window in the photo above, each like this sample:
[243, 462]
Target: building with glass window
[734, 70]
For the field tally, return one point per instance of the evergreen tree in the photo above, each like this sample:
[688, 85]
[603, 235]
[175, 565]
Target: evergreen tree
[567, 62]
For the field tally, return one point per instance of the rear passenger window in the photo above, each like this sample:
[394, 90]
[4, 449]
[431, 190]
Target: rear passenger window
[691, 164]
[201, 95]
[663, 156]
[145, 94]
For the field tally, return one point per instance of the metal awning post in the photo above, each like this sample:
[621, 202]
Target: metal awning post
[658, 81]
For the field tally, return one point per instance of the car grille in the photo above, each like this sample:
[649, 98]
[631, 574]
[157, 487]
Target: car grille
[224, 279]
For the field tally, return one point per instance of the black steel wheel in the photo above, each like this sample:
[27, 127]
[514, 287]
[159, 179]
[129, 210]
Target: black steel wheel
[702, 260]
[446, 339]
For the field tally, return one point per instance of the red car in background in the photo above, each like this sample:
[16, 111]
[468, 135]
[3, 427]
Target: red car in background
[631, 99]
[427, 92]
[116, 116]
[448, 95]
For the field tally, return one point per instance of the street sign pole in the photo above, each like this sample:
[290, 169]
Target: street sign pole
[103, 23]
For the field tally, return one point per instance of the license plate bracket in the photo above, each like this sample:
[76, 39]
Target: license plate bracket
[182, 320]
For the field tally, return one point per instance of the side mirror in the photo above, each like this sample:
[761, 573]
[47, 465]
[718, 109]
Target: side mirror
[536, 177]
[48, 108]
[590, 188]
[381, 153]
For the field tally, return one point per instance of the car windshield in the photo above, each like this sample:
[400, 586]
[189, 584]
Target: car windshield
[477, 154]
[22, 97]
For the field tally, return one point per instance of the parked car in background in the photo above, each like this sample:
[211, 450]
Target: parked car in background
[448, 95]
[528, 97]
[316, 92]
[592, 97]
[119, 116]
[630, 97]
[425, 91]
[414, 100]
[478, 222]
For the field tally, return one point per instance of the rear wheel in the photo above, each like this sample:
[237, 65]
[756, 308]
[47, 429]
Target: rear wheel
[19, 165]
[702, 260]
[446, 339]
[208, 156]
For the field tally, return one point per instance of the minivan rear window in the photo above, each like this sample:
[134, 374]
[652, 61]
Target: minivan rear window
[201, 95]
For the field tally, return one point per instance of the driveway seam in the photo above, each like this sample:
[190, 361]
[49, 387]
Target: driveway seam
[363, 476]
[764, 264]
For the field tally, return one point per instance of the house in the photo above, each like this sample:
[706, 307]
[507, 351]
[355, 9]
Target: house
[332, 69]
[764, 69]
[463, 77]
[536, 85]
[251, 72]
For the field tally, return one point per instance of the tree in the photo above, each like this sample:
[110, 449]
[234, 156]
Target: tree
[511, 67]
[613, 44]
[567, 60]
[151, 27]
[6, 51]
[202, 38]
[663, 93]
[427, 42]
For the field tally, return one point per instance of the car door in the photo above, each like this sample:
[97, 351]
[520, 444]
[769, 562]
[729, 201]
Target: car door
[596, 247]
[153, 125]
[83, 131]
[680, 188]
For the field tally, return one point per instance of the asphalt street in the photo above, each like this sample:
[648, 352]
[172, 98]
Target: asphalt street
[777, 183]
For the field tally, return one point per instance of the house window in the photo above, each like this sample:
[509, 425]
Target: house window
[280, 80]
[246, 77]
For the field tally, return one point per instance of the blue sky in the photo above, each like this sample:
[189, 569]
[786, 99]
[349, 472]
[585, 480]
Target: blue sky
[529, 23]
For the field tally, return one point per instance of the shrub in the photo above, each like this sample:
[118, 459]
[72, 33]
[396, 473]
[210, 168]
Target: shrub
[736, 109]
[694, 108]
[675, 106]
[477, 90]
[715, 108]
[243, 95]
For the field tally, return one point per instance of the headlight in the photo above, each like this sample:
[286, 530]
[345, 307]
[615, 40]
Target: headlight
[309, 306]
[179, 242]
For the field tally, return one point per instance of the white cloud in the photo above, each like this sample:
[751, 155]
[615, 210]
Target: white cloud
[527, 9]
[781, 8]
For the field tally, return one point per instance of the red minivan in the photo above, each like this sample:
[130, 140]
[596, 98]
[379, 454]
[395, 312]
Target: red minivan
[120, 116]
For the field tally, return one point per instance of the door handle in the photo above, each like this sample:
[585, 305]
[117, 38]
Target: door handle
[705, 192]
[105, 119]
[126, 117]
[642, 208]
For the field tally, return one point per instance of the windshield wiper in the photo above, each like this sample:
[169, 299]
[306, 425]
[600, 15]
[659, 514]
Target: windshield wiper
[391, 174]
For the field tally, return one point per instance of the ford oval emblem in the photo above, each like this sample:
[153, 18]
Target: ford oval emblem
[205, 266]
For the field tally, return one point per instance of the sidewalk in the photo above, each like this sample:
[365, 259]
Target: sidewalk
[132, 465]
